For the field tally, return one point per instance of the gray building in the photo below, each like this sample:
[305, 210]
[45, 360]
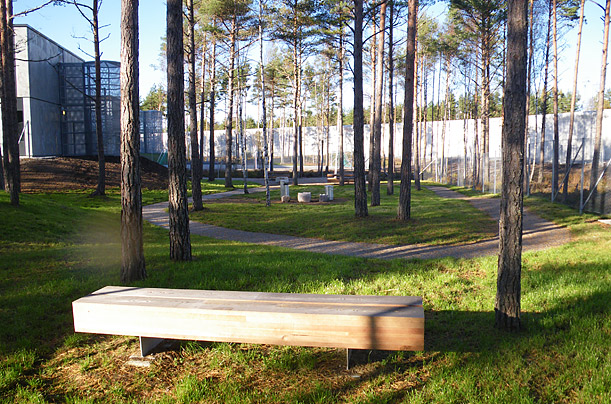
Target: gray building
[38, 91]
[55, 102]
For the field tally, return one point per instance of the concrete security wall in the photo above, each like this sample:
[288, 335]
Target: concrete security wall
[457, 133]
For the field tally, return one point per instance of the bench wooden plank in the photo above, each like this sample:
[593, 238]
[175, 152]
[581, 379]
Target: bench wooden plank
[356, 322]
[205, 295]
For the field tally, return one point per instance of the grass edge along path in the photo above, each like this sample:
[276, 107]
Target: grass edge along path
[435, 221]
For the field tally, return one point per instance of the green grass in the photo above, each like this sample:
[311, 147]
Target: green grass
[435, 220]
[219, 186]
[57, 247]
[468, 191]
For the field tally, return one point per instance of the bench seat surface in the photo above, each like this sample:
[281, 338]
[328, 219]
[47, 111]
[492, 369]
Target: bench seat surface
[342, 321]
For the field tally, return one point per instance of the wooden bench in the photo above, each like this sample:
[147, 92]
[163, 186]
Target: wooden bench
[340, 321]
[334, 178]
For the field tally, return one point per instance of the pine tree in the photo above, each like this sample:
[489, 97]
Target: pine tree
[180, 239]
[132, 251]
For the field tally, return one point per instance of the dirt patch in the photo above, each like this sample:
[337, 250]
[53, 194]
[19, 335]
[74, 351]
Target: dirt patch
[74, 173]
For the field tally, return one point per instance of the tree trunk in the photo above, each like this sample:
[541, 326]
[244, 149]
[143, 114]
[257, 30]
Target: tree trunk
[180, 240]
[271, 132]
[2, 188]
[424, 108]
[377, 125]
[485, 165]
[600, 105]
[211, 152]
[545, 75]
[231, 96]
[475, 174]
[295, 114]
[8, 94]
[556, 136]
[132, 251]
[300, 116]
[446, 116]
[327, 115]
[415, 140]
[404, 208]
[569, 146]
[531, 51]
[101, 187]
[372, 106]
[360, 190]
[340, 109]
[507, 302]
[202, 109]
[196, 164]
[262, 72]
[242, 137]
[390, 186]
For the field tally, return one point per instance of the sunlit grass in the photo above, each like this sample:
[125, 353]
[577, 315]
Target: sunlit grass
[434, 220]
[56, 248]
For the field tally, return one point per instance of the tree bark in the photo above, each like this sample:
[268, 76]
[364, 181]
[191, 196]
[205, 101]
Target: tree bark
[485, 165]
[569, 146]
[404, 208]
[262, 72]
[2, 188]
[231, 96]
[360, 190]
[446, 116]
[600, 105]
[507, 302]
[377, 125]
[180, 238]
[555, 90]
[242, 136]
[340, 108]
[101, 187]
[212, 156]
[271, 132]
[300, 110]
[415, 129]
[327, 114]
[295, 112]
[531, 51]
[196, 164]
[545, 76]
[372, 106]
[202, 109]
[132, 250]
[8, 101]
[390, 186]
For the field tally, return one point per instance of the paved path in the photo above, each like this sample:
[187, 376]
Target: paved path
[538, 234]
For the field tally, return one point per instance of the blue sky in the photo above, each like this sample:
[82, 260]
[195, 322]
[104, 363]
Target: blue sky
[63, 24]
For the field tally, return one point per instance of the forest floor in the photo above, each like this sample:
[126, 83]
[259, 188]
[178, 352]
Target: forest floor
[57, 174]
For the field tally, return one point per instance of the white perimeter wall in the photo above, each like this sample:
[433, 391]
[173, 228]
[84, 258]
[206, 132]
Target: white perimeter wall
[457, 133]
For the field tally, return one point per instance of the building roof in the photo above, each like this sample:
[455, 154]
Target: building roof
[48, 39]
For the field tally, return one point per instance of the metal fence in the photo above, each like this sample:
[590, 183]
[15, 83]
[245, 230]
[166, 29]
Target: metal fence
[77, 98]
[485, 175]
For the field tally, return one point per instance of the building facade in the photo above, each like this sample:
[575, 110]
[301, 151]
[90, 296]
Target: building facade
[55, 102]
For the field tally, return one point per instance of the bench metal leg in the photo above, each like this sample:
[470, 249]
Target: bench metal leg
[148, 344]
[348, 355]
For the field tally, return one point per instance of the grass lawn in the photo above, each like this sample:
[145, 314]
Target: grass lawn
[219, 186]
[435, 220]
[57, 247]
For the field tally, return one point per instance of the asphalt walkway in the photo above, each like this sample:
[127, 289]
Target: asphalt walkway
[538, 233]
